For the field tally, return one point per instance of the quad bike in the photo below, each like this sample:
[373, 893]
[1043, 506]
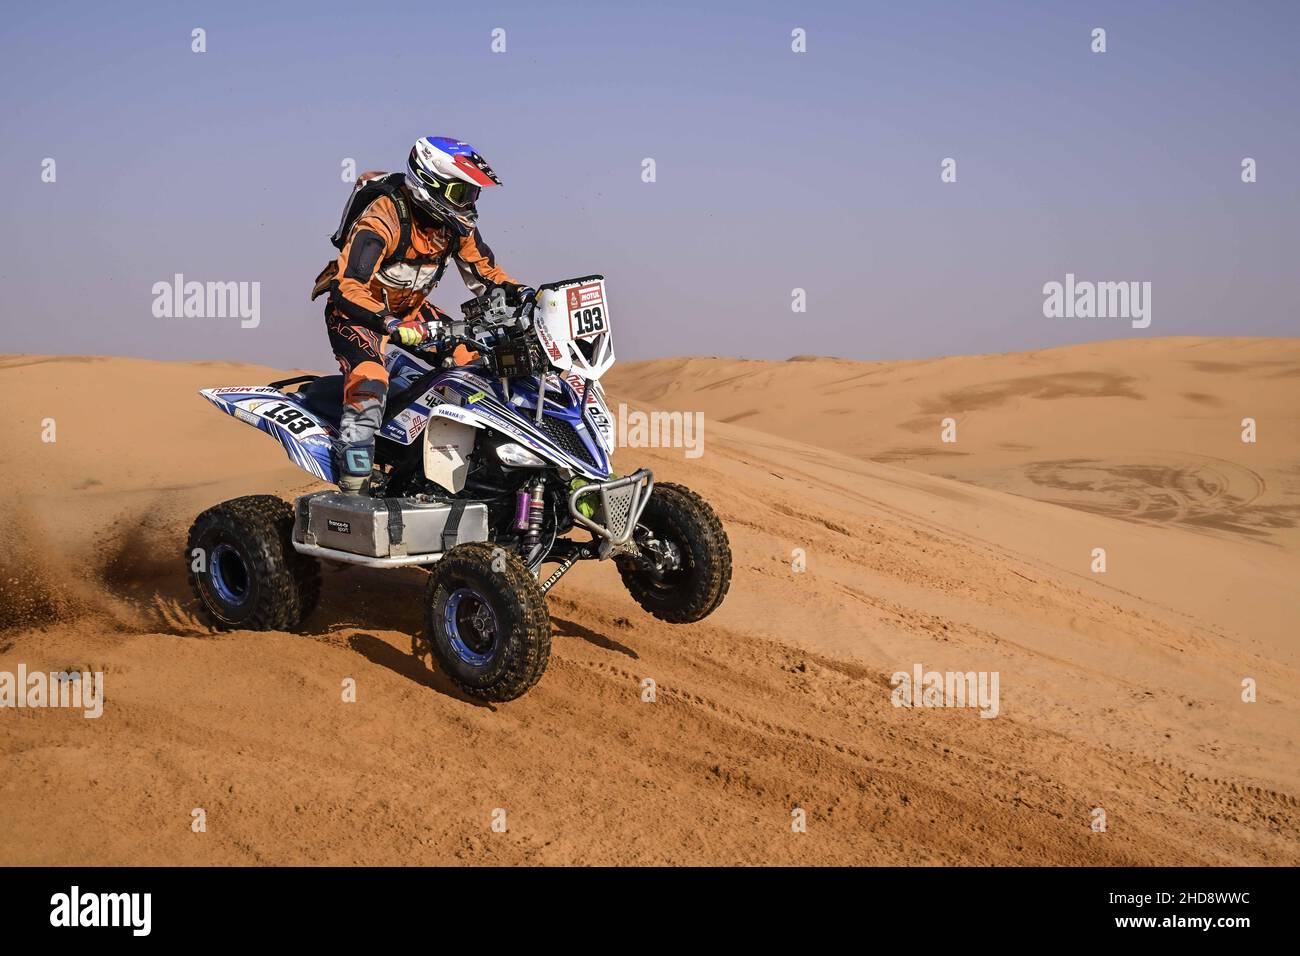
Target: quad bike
[483, 473]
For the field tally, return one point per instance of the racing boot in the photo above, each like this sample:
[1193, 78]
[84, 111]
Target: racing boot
[364, 394]
[354, 464]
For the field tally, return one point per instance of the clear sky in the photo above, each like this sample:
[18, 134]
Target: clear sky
[775, 170]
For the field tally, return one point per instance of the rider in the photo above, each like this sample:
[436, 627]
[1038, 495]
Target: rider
[380, 284]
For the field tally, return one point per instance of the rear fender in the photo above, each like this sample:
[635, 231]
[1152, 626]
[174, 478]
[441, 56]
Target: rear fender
[307, 439]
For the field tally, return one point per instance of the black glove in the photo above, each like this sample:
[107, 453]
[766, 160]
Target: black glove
[520, 295]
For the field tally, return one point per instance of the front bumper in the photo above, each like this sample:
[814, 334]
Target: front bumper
[621, 502]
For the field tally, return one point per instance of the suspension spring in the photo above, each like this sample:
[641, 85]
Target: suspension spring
[536, 513]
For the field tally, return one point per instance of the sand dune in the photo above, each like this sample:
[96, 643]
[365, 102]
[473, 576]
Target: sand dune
[1119, 690]
[1146, 430]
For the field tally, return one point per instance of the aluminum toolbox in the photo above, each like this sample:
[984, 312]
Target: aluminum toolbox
[386, 527]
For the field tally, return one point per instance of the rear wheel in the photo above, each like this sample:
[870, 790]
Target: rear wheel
[244, 570]
[685, 566]
[486, 622]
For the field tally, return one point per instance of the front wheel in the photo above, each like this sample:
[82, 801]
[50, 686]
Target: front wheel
[684, 568]
[486, 622]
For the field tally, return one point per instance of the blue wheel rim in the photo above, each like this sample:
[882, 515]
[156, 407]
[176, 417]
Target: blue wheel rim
[471, 626]
[229, 574]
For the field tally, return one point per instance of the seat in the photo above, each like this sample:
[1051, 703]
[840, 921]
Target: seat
[324, 398]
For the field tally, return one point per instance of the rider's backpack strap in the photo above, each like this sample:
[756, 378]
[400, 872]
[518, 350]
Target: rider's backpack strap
[448, 252]
[403, 219]
[369, 188]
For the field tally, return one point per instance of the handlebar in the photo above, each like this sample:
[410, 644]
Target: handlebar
[506, 336]
[487, 304]
[443, 341]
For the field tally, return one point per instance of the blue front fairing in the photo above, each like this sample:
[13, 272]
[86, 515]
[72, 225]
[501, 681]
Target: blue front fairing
[565, 436]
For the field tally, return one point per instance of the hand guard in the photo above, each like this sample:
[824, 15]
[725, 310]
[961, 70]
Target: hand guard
[520, 295]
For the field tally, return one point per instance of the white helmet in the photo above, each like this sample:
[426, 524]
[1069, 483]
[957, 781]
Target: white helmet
[444, 177]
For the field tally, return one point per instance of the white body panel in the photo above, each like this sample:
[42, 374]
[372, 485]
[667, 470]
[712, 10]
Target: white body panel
[447, 447]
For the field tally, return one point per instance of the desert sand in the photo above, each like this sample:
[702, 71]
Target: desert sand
[1119, 690]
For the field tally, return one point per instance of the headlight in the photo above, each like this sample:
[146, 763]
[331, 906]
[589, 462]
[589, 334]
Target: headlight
[517, 456]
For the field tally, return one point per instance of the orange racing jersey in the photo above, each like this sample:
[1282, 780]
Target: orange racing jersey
[367, 287]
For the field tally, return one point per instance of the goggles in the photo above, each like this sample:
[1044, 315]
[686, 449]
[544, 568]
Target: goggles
[456, 192]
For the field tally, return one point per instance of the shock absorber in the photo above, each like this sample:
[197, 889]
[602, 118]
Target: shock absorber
[536, 515]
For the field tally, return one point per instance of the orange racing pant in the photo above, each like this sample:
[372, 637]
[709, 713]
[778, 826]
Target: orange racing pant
[360, 353]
